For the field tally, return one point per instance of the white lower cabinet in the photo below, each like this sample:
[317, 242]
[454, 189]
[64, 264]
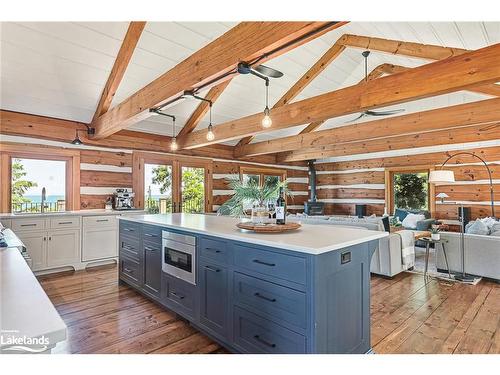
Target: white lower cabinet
[36, 246]
[63, 248]
[99, 242]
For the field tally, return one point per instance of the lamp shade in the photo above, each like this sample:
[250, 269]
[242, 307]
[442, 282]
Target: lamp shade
[441, 177]
[442, 196]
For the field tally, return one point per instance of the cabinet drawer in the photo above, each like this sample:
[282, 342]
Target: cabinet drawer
[130, 270]
[270, 299]
[130, 248]
[130, 228]
[63, 222]
[287, 267]
[215, 250]
[178, 295]
[254, 334]
[151, 233]
[100, 221]
[28, 224]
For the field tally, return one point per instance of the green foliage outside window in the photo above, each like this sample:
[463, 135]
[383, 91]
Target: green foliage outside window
[19, 184]
[411, 190]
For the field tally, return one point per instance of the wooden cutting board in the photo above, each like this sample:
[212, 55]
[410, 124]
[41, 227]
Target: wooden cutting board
[268, 228]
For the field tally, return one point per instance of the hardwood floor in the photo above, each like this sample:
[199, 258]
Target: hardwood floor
[407, 317]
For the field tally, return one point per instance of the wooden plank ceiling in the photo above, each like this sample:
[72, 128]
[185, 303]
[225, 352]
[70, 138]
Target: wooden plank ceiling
[68, 70]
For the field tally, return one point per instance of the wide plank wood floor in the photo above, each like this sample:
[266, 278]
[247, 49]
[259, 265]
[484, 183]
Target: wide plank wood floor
[407, 315]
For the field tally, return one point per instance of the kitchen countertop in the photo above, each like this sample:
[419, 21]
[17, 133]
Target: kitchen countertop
[95, 212]
[310, 239]
[25, 308]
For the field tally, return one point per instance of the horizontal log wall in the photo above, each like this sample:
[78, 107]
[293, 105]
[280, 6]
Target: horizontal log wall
[343, 184]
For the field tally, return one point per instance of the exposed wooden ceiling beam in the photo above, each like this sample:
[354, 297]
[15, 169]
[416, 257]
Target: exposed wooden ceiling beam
[320, 65]
[418, 50]
[54, 129]
[481, 112]
[247, 41]
[203, 108]
[471, 133]
[120, 66]
[440, 77]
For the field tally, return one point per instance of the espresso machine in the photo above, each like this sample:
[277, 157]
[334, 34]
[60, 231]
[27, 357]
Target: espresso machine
[123, 200]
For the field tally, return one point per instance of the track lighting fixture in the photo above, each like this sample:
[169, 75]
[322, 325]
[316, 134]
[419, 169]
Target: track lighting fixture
[77, 141]
[173, 144]
[266, 120]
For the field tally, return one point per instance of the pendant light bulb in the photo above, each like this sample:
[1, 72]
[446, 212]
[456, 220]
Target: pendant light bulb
[266, 120]
[173, 145]
[210, 134]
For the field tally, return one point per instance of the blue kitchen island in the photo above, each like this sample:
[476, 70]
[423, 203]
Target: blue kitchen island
[306, 291]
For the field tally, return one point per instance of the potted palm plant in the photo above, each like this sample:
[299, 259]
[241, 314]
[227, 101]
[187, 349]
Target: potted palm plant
[251, 196]
[435, 235]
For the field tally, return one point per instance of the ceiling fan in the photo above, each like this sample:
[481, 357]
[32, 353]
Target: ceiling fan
[260, 71]
[368, 112]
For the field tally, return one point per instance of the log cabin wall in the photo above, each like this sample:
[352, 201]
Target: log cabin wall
[102, 171]
[343, 184]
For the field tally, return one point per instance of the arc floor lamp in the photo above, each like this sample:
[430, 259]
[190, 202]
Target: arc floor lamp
[443, 176]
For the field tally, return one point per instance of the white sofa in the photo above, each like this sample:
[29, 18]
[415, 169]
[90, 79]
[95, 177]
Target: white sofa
[387, 259]
[482, 254]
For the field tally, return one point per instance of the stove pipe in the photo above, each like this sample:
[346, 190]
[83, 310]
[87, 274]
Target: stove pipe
[312, 180]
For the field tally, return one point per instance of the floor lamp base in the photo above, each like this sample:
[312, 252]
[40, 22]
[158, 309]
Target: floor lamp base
[466, 278]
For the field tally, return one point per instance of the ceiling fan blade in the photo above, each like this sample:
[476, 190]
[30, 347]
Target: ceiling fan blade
[384, 113]
[268, 72]
[361, 115]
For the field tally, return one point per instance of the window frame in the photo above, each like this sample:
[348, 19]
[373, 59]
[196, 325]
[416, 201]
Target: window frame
[9, 151]
[389, 186]
[139, 158]
[262, 172]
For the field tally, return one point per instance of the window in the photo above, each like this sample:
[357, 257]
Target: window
[38, 185]
[168, 183]
[409, 188]
[262, 175]
[158, 188]
[27, 169]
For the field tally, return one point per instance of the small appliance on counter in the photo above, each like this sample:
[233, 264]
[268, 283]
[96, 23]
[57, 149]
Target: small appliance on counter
[123, 200]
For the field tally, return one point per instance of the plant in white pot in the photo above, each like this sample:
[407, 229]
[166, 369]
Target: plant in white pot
[250, 196]
[435, 235]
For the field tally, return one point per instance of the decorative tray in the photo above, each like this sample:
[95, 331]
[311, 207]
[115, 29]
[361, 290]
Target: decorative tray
[268, 228]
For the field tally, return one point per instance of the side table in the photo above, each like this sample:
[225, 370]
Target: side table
[428, 241]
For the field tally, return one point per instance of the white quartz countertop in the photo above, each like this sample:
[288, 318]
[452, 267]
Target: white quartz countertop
[310, 239]
[96, 212]
[25, 308]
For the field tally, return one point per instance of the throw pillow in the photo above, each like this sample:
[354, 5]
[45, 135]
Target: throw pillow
[495, 234]
[489, 222]
[400, 213]
[477, 227]
[495, 228]
[410, 221]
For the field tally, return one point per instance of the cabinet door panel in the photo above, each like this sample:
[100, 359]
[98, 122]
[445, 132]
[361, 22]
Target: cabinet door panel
[214, 296]
[36, 246]
[152, 269]
[100, 243]
[63, 248]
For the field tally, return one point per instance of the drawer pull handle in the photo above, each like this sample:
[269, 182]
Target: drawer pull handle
[150, 235]
[102, 220]
[127, 270]
[265, 342]
[28, 225]
[264, 263]
[128, 230]
[211, 249]
[257, 294]
[65, 222]
[149, 248]
[212, 269]
[177, 295]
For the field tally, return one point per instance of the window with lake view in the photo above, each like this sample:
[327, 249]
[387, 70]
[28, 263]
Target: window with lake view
[28, 179]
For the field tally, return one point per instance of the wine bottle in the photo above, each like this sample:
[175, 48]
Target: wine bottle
[280, 209]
